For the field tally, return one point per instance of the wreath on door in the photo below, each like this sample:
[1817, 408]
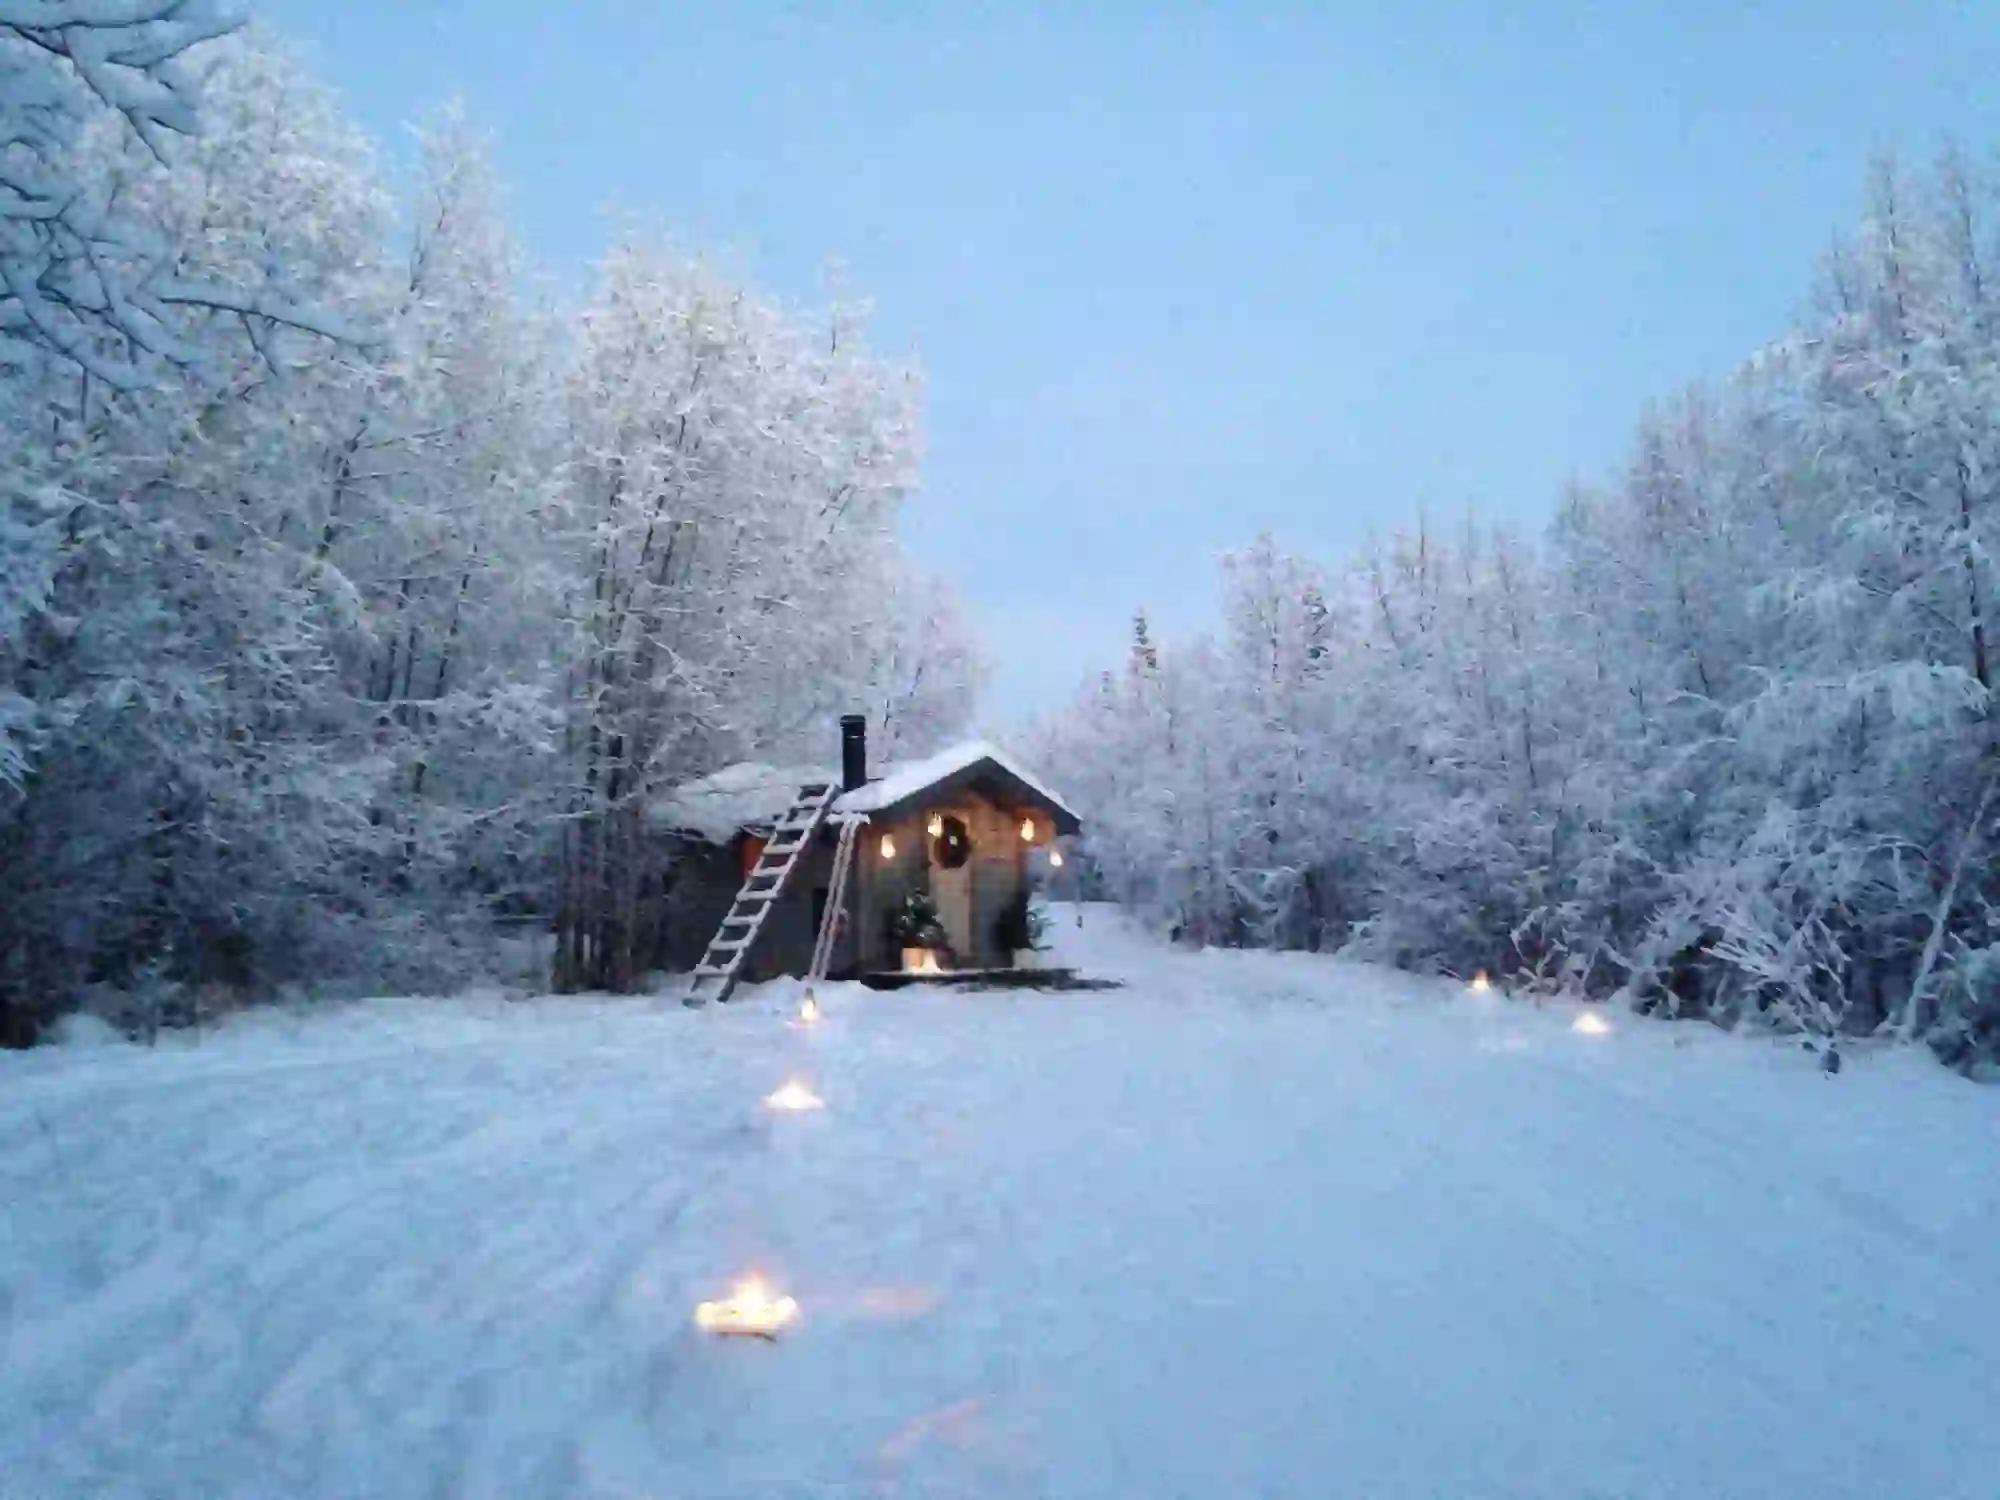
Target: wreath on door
[951, 845]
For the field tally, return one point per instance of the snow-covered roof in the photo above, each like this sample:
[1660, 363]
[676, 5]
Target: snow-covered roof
[899, 782]
[751, 794]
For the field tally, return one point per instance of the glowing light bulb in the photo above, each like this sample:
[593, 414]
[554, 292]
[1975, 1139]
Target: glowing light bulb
[888, 847]
[1027, 830]
[792, 1098]
[809, 1011]
[936, 825]
[749, 1309]
[1590, 1023]
[1055, 858]
[1480, 983]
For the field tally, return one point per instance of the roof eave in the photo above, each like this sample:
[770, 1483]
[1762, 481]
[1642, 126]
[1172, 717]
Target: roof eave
[1022, 794]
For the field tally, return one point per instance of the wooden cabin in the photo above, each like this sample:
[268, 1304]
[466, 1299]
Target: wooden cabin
[965, 826]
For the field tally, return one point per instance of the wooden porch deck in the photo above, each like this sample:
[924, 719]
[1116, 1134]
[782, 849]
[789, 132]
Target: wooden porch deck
[985, 979]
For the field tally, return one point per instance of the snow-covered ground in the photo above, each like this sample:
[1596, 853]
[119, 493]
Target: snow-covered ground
[1254, 1226]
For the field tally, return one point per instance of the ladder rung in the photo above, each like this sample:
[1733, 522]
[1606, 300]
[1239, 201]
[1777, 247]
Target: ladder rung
[728, 945]
[732, 920]
[710, 971]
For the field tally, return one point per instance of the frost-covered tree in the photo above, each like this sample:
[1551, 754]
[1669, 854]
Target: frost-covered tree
[176, 654]
[321, 658]
[1721, 741]
[733, 474]
[84, 277]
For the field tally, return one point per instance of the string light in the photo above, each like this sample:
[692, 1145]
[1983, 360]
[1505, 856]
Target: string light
[809, 1011]
[1055, 859]
[1590, 1023]
[1027, 830]
[888, 847]
[936, 825]
[1480, 983]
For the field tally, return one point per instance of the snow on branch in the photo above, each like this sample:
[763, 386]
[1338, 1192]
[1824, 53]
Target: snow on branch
[78, 278]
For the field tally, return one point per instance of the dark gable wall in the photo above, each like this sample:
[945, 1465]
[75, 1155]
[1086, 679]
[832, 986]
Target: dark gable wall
[999, 873]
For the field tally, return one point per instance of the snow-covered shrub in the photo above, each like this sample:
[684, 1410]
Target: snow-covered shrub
[1966, 1035]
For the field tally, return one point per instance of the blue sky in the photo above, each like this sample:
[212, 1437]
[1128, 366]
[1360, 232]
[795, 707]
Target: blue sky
[1178, 274]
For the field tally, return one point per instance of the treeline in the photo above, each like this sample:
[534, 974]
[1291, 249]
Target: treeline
[1720, 743]
[352, 605]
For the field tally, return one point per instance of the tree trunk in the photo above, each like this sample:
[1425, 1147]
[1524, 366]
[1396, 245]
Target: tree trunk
[1941, 916]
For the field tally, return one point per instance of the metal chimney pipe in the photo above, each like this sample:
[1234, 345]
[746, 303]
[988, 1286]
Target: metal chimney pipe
[853, 752]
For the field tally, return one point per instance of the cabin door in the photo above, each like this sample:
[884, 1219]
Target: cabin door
[951, 890]
[951, 884]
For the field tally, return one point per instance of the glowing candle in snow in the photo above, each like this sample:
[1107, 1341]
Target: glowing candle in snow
[1590, 1023]
[1480, 983]
[792, 1097]
[750, 1309]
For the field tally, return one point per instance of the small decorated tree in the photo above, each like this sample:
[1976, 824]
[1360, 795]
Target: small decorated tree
[915, 924]
[1021, 927]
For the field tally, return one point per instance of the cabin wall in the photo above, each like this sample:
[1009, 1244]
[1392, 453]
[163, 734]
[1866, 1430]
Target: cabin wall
[702, 884]
[785, 943]
[881, 886]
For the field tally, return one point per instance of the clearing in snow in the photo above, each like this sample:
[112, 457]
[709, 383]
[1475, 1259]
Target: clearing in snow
[1254, 1225]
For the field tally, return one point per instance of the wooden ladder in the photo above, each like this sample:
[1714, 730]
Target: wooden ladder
[715, 976]
[836, 899]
